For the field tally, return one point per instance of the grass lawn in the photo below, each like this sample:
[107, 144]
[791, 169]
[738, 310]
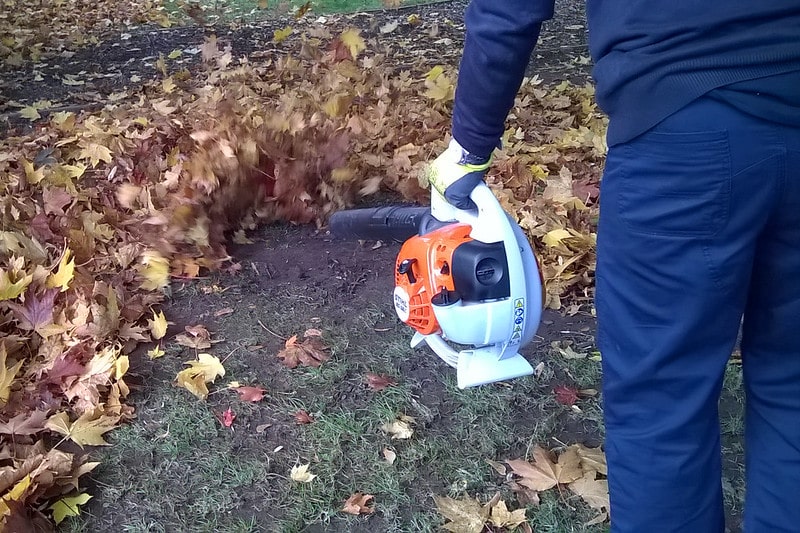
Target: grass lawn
[176, 469]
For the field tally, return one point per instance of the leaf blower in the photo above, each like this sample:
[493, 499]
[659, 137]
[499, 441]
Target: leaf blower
[466, 281]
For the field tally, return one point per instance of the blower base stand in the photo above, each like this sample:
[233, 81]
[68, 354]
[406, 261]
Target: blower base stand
[477, 366]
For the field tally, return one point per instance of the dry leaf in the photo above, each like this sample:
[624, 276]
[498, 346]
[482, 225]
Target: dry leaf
[593, 491]
[378, 382]
[399, 428]
[566, 395]
[300, 473]
[389, 455]
[543, 473]
[302, 417]
[311, 352]
[358, 504]
[466, 515]
[250, 394]
[88, 429]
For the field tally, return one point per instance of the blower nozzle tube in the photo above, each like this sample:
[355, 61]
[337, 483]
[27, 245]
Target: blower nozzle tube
[396, 223]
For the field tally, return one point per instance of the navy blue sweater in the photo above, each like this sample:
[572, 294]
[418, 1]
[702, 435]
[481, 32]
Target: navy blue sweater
[651, 58]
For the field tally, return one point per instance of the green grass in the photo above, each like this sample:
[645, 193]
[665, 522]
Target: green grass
[226, 10]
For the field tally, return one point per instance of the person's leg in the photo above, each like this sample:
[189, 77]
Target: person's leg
[681, 208]
[771, 359]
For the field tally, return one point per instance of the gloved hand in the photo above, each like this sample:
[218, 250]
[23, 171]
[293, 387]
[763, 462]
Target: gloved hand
[455, 173]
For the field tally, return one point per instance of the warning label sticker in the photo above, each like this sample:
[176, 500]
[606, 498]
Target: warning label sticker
[519, 321]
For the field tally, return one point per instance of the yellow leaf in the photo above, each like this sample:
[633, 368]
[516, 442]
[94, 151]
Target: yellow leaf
[466, 515]
[351, 38]
[434, 73]
[33, 175]
[155, 352]
[11, 289]
[175, 54]
[263, 4]
[121, 366]
[278, 36]
[205, 370]
[18, 489]
[400, 428]
[65, 273]
[73, 171]
[95, 153]
[68, 506]
[30, 112]
[158, 326]
[7, 375]
[194, 383]
[168, 85]
[155, 271]
[300, 473]
[503, 518]
[553, 238]
[88, 429]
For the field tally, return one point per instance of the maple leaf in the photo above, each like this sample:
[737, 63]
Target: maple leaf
[37, 311]
[155, 352]
[278, 36]
[155, 271]
[88, 429]
[158, 325]
[400, 428]
[500, 516]
[593, 491]
[24, 424]
[352, 40]
[227, 417]
[311, 352]
[466, 515]
[250, 394]
[378, 382]
[300, 473]
[7, 375]
[68, 506]
[358, 504]
[592, 459]
[543, 473]
[566, 395]
[197, 337]
[95, 153]
[11, 289]
[302, 417]
[205, 370]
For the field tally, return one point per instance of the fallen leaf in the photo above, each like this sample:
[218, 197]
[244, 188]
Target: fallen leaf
[593, 491]
[24, 424]
[378, 382]
[300, 473]
[399, 428]
[302, 417]
[224, 311]
[358, 504]
[250, 394]
[7, 374]
[566, 395]
[501, 517]
[64, 274]
[592, 459]
[227, 417]
[68, 506]
[543, 473]
[87, 430]
[389, 455]
[311, 352]
[205, 370]
[155, 352]
[351, 38]
[196, 337]
[278, 36]
[158, 325]
[466, 515]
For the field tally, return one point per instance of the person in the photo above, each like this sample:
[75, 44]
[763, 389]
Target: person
[699, 234]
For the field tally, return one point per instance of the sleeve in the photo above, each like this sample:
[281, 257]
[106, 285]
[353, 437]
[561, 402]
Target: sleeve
[500, 38]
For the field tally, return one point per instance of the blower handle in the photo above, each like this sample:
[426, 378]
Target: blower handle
[396, 223]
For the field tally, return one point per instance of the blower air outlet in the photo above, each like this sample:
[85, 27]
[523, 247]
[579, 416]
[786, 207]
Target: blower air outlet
[488, 271]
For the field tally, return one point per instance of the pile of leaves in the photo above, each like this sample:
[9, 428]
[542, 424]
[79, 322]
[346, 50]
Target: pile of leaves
[100, 211]
[31, 29]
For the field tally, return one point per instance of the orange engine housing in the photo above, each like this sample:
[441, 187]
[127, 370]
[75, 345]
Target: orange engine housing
[423, 269]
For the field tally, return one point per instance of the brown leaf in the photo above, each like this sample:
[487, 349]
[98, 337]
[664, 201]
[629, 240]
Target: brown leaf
[227, 417]
[302, 417]
[543, 473]
[24, 424]
[250, 394]
[311, 352]
[196, 337]
[37, 311]
[592, 459]
[358, 504]
[378, 382]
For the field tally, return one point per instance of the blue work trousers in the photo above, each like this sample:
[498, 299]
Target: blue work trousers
[699, 234]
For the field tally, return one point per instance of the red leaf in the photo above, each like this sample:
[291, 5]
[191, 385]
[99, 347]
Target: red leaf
[227, 418]
[379, 381]
[250, 394]
[302, 417]
[566, 395]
